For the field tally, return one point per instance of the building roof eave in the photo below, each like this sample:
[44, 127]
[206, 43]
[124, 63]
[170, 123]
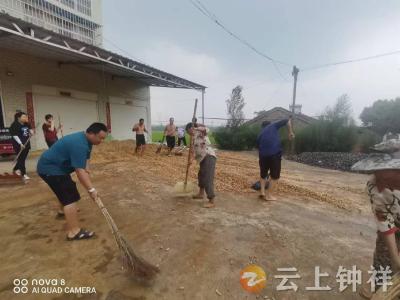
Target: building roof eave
[24, 37]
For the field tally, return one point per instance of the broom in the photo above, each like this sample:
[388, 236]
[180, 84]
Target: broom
[185, 188]
[134, 264]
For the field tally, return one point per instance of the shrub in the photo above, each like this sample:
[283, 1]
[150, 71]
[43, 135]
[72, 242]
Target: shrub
[240, 138]
[366, 139]
[326, 136]
[321, 136]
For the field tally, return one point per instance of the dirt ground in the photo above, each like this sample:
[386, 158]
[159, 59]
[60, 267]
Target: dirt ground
[321, 219]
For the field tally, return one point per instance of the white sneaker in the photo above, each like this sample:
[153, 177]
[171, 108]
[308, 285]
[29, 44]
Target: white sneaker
[17, 172]
[26, 177]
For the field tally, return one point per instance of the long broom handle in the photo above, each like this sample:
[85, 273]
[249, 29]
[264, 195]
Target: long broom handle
[191, 145]
[108, 217]
[22, 149]
[110, 222]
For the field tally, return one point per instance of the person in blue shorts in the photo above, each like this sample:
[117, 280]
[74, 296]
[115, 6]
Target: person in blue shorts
[71, 154]
[270, 155]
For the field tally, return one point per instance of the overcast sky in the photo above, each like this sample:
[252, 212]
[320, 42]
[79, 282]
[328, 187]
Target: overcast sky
[175, 37]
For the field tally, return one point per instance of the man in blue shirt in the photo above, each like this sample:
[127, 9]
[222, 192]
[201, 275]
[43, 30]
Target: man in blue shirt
[70, 154]
[270, 155]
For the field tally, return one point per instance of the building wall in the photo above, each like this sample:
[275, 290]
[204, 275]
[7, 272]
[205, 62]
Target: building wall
[79, 19]
[97, 14]
[27, 71]
[94, 16]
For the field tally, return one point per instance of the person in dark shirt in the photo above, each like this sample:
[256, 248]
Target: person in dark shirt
[21, 132]
[50, 131]
[270, 155]
[71, 154]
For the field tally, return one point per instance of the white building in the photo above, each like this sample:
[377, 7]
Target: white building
[78, 19]
[45, 71]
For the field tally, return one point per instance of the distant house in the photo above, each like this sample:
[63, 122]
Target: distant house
[279, 113]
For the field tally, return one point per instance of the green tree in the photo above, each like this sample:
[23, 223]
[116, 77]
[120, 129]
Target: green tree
[341, 112]
[383, 116]
[241, 138]
[335, 131]
[235, 106]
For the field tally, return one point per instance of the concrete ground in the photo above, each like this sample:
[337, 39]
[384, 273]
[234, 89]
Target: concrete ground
[200, 251]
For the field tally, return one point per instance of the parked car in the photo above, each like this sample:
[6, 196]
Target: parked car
[6, 147]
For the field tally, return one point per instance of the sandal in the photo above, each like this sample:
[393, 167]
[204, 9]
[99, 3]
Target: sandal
[81, 235]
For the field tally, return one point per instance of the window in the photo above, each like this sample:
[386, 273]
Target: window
[85, 7]
[69, 3]
[62, 20]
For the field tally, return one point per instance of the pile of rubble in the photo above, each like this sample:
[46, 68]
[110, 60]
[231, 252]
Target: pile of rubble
[330, 160]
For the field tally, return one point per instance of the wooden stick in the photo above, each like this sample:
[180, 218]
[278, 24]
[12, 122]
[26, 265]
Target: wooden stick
[191, 146]
[59, 125]
[20, 150]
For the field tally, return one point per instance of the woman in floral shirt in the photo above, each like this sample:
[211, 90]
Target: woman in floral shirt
[206, 157]
[384, 193]
[383, 190]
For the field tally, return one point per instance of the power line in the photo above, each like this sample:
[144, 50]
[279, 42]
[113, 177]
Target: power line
[213, 18]
[122, 50]
[350, 61]
[206, 12]
[210, 118]
[225, 119]
[258, 83]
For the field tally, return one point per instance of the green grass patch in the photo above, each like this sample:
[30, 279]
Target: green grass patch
[158, 135]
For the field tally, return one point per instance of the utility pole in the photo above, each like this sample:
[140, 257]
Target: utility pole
[295, 72]
[203, 91]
